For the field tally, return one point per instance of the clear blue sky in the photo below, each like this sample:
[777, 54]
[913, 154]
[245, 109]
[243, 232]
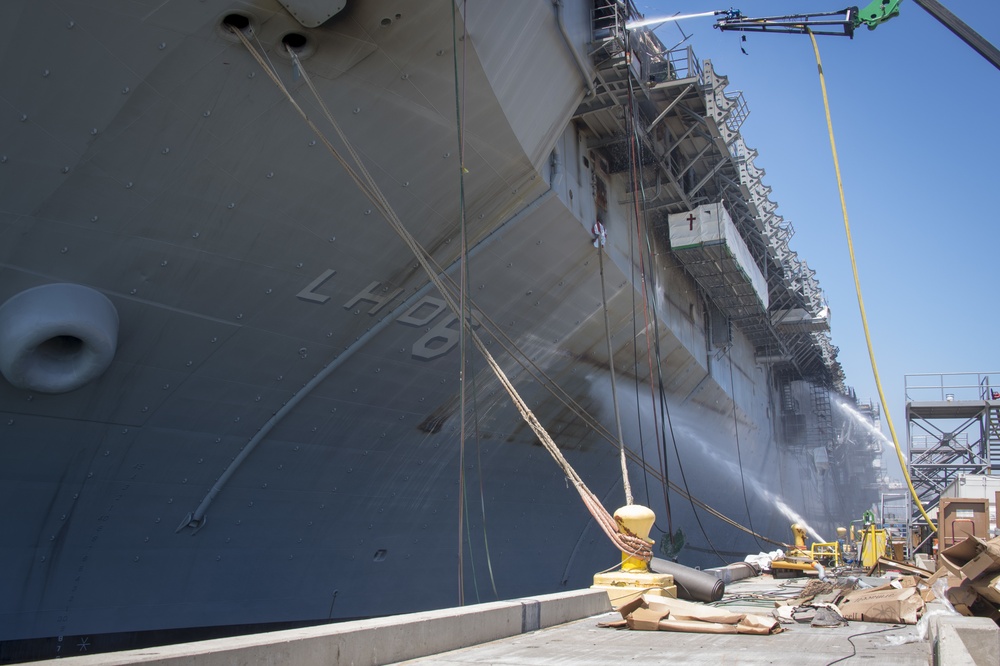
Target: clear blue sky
[916, 116]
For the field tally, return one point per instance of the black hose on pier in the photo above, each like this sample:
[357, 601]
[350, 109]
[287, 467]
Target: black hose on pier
[691, 583]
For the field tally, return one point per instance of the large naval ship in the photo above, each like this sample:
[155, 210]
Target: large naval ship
[232, 399]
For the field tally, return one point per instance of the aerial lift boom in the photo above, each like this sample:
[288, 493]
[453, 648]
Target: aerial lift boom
[846, 21]
[962, 31]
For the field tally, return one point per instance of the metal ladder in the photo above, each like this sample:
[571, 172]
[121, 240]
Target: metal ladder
[824, 417]
[993, 437]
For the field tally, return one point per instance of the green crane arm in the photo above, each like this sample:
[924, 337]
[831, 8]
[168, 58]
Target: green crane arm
[845, 21]
[876, 13]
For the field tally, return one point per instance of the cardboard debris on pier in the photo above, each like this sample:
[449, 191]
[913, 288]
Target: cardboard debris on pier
[655, 613]
[967, 577]
[883, 604]
[897, 601]
[971, 569]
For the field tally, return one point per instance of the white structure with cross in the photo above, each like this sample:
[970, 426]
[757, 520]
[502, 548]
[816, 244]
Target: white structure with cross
[707, 243]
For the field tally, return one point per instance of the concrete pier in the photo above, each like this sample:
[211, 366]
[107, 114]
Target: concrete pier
[563, 628]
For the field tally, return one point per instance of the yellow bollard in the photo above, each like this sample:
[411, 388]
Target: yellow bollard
[634, 578]
[637, 520]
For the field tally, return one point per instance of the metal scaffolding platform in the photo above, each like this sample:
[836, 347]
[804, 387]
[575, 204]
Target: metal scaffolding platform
[952, 429]
[672, 114]
[707, 244]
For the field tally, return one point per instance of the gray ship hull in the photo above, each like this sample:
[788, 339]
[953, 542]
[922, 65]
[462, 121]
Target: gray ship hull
[277, 436]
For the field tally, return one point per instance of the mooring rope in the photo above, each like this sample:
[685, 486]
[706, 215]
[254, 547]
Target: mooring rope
[623, 540]
[611, 367]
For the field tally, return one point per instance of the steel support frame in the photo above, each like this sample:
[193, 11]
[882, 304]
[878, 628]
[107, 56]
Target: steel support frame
[958, 436]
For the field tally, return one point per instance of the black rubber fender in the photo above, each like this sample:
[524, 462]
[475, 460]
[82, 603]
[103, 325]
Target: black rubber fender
[57, 337]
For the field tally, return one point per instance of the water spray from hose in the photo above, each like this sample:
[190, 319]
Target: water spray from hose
[632, 25]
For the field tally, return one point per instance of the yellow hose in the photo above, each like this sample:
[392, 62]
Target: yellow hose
[857, 286]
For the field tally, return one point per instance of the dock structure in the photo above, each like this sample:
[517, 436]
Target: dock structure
[565, 628]
[952, 431]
